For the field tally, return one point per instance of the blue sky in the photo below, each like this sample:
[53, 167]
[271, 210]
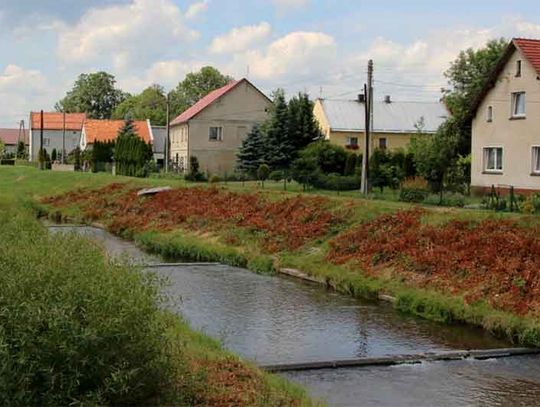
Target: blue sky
[320, 46]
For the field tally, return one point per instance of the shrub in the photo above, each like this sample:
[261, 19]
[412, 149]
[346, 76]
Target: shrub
[263, 172]
[214, 179]
[75, 329]
[276, 176]
[335, 182]
[414, 190]
[5, 161]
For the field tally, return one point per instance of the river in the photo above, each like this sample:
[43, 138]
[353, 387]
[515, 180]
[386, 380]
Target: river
[275, 320]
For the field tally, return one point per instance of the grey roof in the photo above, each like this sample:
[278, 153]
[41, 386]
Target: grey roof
[394, 117]
[160, 134]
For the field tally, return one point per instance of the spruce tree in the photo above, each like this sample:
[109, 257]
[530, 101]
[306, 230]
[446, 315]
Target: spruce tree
[279, 147]
[303, 127]
[251, 153]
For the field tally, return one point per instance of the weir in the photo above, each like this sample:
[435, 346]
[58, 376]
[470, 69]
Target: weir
[479, 354]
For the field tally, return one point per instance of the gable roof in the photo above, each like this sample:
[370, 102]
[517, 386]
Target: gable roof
[530, 48]
[55, 121]
[107, 130]
[394, 117]
[209, 99]
[11, 136]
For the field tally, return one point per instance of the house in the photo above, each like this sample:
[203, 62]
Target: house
[107, 130]
[213, 129]
[158, 146]
[394, 123]
[505, 145]
[59, 131]
[11, 138]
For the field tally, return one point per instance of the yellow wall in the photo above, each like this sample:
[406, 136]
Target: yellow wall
[393, 140]
[516, 137]
[236, 112]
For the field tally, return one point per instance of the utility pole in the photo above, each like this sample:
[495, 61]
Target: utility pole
[63, 135]
[368, 92]
[167, 146]
[41, 156]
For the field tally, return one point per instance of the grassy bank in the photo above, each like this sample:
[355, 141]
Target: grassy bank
[272, 229]
[78, 330]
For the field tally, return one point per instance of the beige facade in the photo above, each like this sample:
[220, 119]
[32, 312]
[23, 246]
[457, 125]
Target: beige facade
[391, 141]
[215, 133]
[506, 129]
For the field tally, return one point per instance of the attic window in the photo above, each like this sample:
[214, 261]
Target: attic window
[489, 117]
[518, 69]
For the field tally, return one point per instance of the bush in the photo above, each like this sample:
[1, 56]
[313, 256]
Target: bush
[214, 179]
[414, 190]
[449, 199]
[335, 182]
[276, 176]
[6, 161]
[75, 329]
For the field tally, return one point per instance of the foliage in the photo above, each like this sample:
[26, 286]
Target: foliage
[251, 153]
[328, 158]
[303, 128]
[54, 155]
[415, 190]
[194, 173]
[353, 161]
[194, 87]
[150, 104]
[84, 332]
[334, 182]
[94, 94]
[22, 153]
[478, 260]
[263, 172]
[276, 176]
[279, 149]
[2, 148]
[280, 225]
[102, 153]
[386, 169]
[131, 154]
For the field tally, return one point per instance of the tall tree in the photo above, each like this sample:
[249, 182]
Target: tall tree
[94, 94]
[466, 77]
[251, 153]
[131, 153]
[279, 147]
[303, 127]
[2, 148]
[195, 86]
[151, 104]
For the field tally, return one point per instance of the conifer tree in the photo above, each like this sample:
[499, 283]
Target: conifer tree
[132, 155]
[303, 127]
[251, 153]
[279, 150]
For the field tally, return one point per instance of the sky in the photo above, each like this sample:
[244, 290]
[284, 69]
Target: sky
[318, 46]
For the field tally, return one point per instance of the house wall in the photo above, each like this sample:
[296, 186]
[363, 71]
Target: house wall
[179, 146]
[516, 137]
[236, 112]
[52, 139]
[393, 140]
[320, 116]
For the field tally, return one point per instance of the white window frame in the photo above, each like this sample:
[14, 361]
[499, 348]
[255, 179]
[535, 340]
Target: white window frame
[535, 156]
[349, 141]
[46, 142]
[219, 135]
[514, 106]
[489, 114]
[385, 143]
[485, 154]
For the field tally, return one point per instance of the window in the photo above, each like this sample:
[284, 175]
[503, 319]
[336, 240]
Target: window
[352, 141]
[518, 104]
[382, 143]
[46, 142]
[518, 69]
[536, 160]
[489, 114]
[493, 159]
[215, 134]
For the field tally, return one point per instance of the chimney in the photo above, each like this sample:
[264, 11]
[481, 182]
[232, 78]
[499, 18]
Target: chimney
[387, 99]
[361, 98]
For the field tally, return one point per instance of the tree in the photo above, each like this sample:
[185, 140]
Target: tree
[279, 147]
[94, 94]
[132, 155]
[329, 158]
[21, 150]
[262, 173]
[467, 76]
[195, 86]
[194, 173]
[435, 155]
[150, 104]
[2, 148]
[303, 127]
[54, 155]
[251, 153]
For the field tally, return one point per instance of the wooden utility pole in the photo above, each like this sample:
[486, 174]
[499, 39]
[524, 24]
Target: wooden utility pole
[167, 145]
[368, 112]
[41, 155]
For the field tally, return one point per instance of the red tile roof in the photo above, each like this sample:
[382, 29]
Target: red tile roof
[55, 121]
[107, 130]
[531, 50]
[205, 102]
[11, 136]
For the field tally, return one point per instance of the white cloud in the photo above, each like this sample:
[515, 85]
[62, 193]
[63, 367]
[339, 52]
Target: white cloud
[25, 89]
[296, 55]
[196, 9]
[135, 33]
[241, 38]
[288, 5]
